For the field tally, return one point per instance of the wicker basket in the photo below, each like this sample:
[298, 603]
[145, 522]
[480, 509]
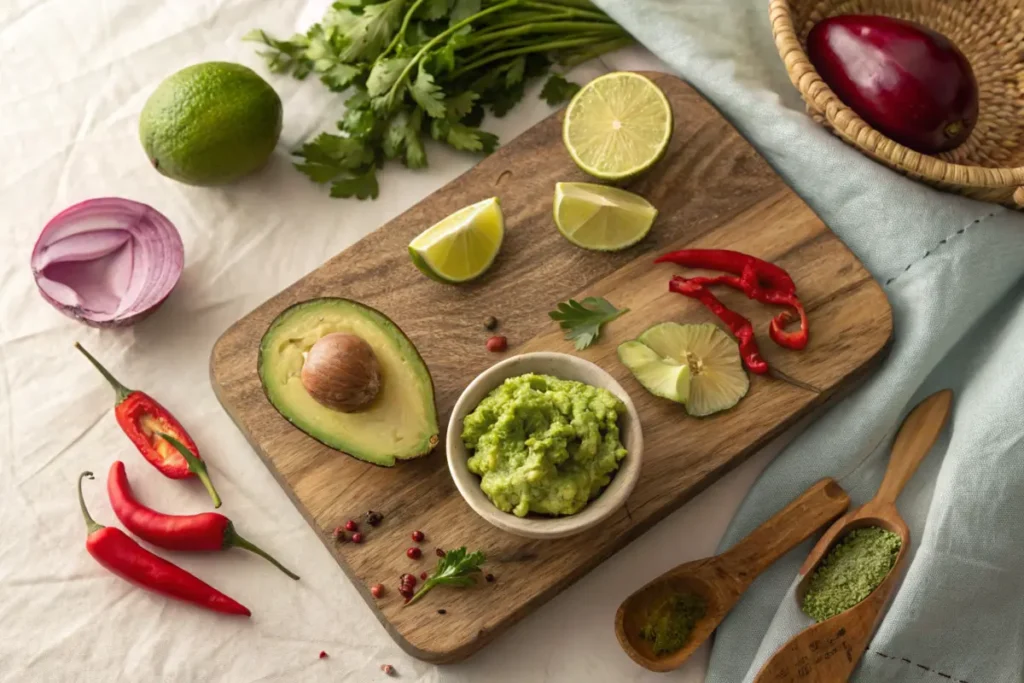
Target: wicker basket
[990, 165]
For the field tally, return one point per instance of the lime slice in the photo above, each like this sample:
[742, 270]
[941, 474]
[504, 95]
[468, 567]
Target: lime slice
[601, 217]
[617, 126]
[463, 245]
[717, 378]
[660, 376]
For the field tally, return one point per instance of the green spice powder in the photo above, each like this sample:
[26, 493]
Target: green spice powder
[851, 571]
[670, 622]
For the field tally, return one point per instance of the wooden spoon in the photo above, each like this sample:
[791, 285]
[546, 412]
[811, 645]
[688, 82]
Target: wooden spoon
[828, 651]
[722, 579]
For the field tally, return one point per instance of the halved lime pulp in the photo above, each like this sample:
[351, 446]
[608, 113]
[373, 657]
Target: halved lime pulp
[617, 126]
[462, 246]
[601, 217]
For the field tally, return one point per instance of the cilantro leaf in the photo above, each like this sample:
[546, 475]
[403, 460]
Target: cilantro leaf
[367, 34]
[285, 56]
[384, 75]
[340, 76]
[403, 141]
[428, 94]
[515, 71]
[558, 90]
[345, 153]
[460, 105]
[462, 137]
[362, 186]
[458, 568]
[582, 321]
[432, 10]
[462, 10]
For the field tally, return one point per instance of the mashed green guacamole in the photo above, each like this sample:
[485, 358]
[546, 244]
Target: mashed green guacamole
[544, 445]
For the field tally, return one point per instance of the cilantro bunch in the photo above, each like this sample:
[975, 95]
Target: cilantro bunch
[419, 68]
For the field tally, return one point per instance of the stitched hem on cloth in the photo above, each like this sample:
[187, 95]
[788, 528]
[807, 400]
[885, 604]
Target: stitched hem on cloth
[919, 666]
[928, 253]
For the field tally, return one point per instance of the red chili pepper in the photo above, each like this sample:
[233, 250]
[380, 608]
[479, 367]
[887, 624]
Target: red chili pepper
[206, 531]
[119, 553]
[147, 424]
[759, 280]
[739, 325]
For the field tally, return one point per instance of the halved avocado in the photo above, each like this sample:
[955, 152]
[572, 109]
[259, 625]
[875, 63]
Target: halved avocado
[400, 424]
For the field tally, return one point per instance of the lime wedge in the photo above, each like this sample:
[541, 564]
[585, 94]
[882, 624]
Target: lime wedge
[462, 246]
[660, 376]
[600, 217]
[617, 126]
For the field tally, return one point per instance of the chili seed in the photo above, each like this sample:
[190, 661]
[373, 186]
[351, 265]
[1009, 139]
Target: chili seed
[373, 518]
[489, 578]
[351, 525]
[442, 611]
[439, 552]
[387, 669]
[497, 344]
[339, 534]
[490, 322]
[357, 537]
[414, 553]
[377, 590]
[418, 536]
[323, 655]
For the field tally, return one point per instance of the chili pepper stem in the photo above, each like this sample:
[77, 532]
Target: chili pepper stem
[121, 390]
[90, 524]
[232, 538]
[195, 466]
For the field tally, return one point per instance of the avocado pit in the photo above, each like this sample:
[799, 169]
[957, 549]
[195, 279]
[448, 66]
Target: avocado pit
[341, 372]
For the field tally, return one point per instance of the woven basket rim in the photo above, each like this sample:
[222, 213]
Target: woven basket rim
[814, 89]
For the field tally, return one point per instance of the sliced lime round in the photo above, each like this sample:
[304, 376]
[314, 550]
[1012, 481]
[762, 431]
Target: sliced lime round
[660, 376]
[462, 246]
[717, 378]
[617, 126]
[601, 217]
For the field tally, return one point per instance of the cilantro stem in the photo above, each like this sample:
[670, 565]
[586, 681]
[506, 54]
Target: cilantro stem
[543, 47]
[437, 39]
[400, 34]
[597, 50]
[540, 27]
[576, 9]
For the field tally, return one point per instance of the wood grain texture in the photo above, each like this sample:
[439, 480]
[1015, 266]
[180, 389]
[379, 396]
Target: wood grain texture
[713, 190]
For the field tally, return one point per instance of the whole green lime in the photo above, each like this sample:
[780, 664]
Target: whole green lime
[211, 124]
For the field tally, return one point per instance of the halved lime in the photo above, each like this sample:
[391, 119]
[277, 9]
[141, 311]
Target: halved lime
[617, 126]
[660, 376]
[463, 245]
[717, 378]
[601, 217]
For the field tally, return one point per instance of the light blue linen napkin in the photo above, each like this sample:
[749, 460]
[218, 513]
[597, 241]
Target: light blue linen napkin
[951, 268]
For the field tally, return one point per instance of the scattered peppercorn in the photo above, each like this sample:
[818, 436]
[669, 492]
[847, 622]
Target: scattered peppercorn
[489, 578]
[490, 323]
[439, 552]
[357, 537]
[339, 534]
[414, 553]
[387, 669]
[423, 576]
[442, 611]
[351, 525]
[497, 344]
[418, 536]
[323, 655]
[373, 518]
[406, 586]
[377, 590]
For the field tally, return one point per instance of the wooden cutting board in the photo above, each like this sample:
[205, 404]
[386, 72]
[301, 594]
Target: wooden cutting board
[714, 191]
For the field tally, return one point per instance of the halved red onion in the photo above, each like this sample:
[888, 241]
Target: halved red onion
[108, 262]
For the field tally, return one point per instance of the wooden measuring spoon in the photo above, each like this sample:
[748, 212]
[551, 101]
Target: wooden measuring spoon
[828, 651]
[722, 579]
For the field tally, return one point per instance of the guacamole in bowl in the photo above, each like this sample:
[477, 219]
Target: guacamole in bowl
[544, 445]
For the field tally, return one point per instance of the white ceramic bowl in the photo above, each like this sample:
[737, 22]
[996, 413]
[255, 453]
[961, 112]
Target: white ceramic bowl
[563, 366]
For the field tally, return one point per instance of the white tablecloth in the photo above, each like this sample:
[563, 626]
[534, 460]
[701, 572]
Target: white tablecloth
[74, 75]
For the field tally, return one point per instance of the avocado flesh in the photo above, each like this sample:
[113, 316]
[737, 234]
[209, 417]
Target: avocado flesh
[400, 424]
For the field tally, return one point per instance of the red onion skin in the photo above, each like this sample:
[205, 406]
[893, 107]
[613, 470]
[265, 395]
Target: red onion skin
[146, 211]
[908, 82]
